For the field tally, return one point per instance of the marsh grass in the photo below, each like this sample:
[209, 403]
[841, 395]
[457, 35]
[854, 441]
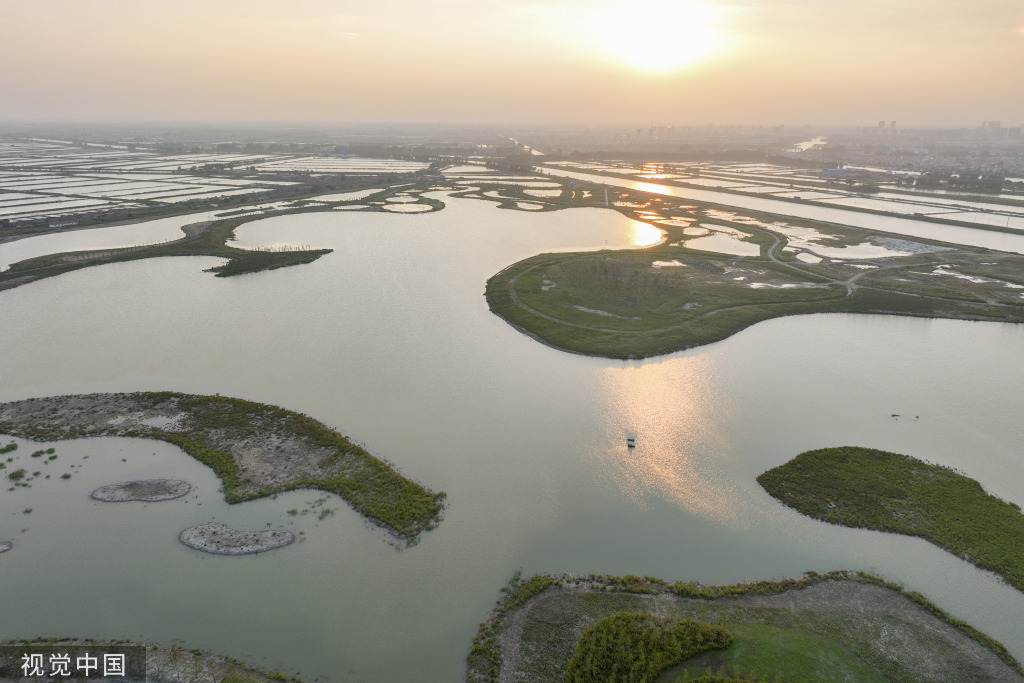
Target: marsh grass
[618, 305]
[634, 647]
[208, 242]
[212, 425]
[873, 489]
[777, 643]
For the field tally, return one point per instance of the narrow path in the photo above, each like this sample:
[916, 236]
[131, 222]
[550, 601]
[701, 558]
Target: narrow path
[850, 285]
[519, 302]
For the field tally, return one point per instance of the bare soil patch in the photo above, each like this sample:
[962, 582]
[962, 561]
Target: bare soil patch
[220, 539]
[147, 490]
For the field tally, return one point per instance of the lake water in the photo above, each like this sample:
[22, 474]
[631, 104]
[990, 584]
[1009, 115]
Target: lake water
[150, 232]
[389, 340]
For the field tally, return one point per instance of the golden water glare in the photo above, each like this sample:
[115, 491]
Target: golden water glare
[670, 408]
[644, 234]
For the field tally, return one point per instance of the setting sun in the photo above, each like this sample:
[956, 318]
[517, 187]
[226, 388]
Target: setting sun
[660, 36]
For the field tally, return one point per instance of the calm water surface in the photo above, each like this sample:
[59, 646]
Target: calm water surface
[150, 232]
[389, 340]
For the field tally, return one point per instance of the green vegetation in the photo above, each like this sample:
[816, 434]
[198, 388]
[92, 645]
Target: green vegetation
[777, 653]
[202, 239]
[484, 658]
[634, 647]
[9, 447]
[836, 626]
[257, 450]
[646, 302]
[872, 489]
[16, 475]
[208, 239]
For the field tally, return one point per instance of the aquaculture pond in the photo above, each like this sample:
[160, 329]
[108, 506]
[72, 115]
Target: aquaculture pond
[389, 340]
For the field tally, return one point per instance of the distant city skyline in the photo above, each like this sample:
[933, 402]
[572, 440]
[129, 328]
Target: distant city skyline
[923, 63]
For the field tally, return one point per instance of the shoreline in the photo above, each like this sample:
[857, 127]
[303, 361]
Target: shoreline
[805, 202]
[650, 316]
[7, 239]
[216, 538]
[853, 596]
[144, 490]
[256, 449]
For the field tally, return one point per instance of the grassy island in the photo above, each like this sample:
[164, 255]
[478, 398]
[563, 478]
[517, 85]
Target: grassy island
[256, 449]
[687, 292]
[872, 489]
[201, 239]
[210, 238]
[837, 626]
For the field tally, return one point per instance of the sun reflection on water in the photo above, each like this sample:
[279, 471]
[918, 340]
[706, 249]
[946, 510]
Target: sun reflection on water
[650, 187]
[670, 408]
[644, 234]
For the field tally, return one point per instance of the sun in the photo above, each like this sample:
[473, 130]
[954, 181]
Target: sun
[660, 36]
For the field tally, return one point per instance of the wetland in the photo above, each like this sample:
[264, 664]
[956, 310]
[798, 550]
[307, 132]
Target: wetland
[737, 269]
[256, 449]
[399, 349]
[838, 626]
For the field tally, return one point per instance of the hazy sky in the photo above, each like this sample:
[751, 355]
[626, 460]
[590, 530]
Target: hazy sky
[920, 62]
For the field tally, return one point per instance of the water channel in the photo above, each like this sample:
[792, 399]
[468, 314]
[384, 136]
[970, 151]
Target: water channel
[989, 239]
[389, 340]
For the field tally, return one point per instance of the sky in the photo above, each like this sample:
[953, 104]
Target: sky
[670, 62]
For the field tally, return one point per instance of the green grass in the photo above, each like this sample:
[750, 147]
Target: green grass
[817, 640]
[209, 242]
[872, 489]
[637, 310]
[778, 653]
[214, 424]
[618, 304]
[634, 647]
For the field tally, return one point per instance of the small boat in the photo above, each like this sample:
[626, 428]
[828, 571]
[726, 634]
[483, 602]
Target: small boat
[630, 442]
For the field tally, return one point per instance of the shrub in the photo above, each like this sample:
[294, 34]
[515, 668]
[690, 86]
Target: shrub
[632, 647]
